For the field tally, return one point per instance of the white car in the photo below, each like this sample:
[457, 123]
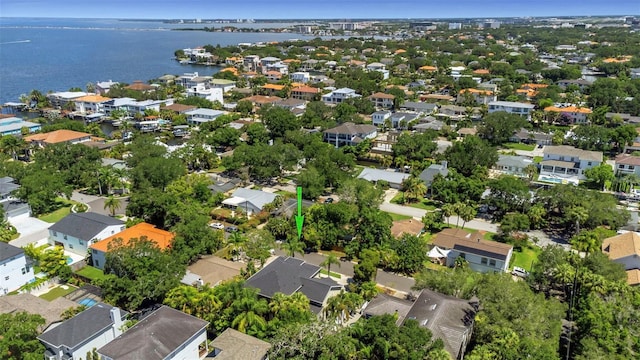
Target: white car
[518, 271]
[217, 226]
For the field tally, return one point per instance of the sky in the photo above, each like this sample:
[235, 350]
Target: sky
[312, 9]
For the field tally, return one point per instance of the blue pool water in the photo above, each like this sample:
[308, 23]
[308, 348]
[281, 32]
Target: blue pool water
[88, 302]
[69, 260]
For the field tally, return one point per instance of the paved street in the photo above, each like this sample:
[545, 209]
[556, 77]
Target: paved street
[96, 203]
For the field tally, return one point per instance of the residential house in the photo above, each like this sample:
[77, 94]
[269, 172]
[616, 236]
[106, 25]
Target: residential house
[518, 108]
[165, 334]
[625, 249]
[305, 93]
[406, 226]
[60, 99]
[419, 107]
[288, 275]
[425, 126]
[191, 80]
[251, 62]
[427, 175]
[627, 118]
[394, 179]
[437, 98]
[379, 117]
[582, 84]
[249, 201]
[379, 67]
[138, 85]
[382, 100]
[448, 318]
[260, 100]
[223, 84]
[292, 104]
[479, 96]
[279, 67]
[103, 87]
[401, 120]
[13, 208]
[269, 60]
[179, 108]
[205, 92]
[139, 107]
[339, 95]
[77, 231]
[481, 255]
[571, 114]
[635, 73]
[453, 112]
[635, 146]
[59, 136]
[512, 165]
[15, 126]
[15, 268]
[349, 134]
[530, 137]
[566, 164]
[90, 104]
[200, 115]
[161, 238]
[51, 311]
[92, 328]
[234, 345]
[300, 77]
[273, 76]
[627, 164]
[272, 89]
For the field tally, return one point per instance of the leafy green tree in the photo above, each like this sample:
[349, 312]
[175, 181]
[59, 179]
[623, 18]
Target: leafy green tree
[156, 172]
[513, 222]
[415, 146]
[498, 127]
[412, 250]
[19, 332]
[54, 263]
[244, 107]
[279, 120]
[256, 133]
[508, 194]
[312, 182]
[366, 269]
[41, 192]
[600, 175]
[466, 155]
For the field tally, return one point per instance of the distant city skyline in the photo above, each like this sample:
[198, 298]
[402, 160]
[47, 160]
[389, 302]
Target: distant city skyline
[308, 9]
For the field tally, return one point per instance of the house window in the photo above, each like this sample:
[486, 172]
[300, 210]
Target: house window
[483, 261]
[70, 246]
[589, 163]
[55, 233]
[94, 252]
[631, 167]
[620, 166]
[96, 263]
[492, 262]
[24, 271]
[6, 278]
[64, 237]
[81, 242]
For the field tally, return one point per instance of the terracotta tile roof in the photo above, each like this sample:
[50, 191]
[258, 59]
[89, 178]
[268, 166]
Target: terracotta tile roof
[306, 89]
[179, 107]
[162, 238]
[288, 61]
[93, 99]
[230, 69]
[140, 86]
[633, 277]
[533, 86]
[400, 51]
[408, 226]
[273, 87]
[481, 71]
[623, 245]
[381, 95]
[273, 73]
[259, 99]
[620, 59]
[427, 68]
[477, 91]
[58, 136]
[568, 109]
[452, 238]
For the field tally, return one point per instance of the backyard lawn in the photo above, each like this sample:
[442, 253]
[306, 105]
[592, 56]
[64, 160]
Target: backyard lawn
[57, 292]
[525, 258]
[91, 273]
[519, 146]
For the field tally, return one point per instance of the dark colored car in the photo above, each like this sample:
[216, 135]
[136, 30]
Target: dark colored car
[328, 200]
[231, 229]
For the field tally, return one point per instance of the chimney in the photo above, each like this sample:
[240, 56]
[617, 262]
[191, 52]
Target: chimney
[116, 319]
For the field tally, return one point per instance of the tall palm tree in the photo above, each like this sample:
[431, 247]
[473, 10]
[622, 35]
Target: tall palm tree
[448, 210]
[330, 259]
[249, 318]
[293, 246]
[182, 298]
[12, 145]
[578, 214]
[235, 242]
[113, 204]
[467, 213]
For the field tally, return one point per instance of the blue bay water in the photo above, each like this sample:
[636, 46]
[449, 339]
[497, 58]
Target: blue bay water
[58, 54]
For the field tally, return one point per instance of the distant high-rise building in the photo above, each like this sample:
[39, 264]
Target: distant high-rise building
[422, 26]
[455, 26]
[490, 25]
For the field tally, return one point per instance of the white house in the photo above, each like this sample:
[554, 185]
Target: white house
[15, 268]
[566, 164]
[378, 118]
[627, 164]
[481, 255]
[635, 73]
[139, 107]
[518, 108]
[512, 165]
[77, 231]
[269, 60]
[249, 201]
[349, 134]
[193, 79]
[166, 334]
[61, 98]
[90, 329]
[103, 87]
[200, 115]
[300, 77]
[379, 67]
[224, 84]
[209, 93]
[90, 103]
[339, 95]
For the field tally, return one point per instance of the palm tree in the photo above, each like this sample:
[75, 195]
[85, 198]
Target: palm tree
[12, 145]
[293, 246]
[536, 215]
[113, 204]
[182, 298]
[368, 290]
[458, 208]
[579, 215]
[448, 210]
[330, 259]
[467, 213]
[249, 318]
[106, 178]
[414, 188]
[235, 243]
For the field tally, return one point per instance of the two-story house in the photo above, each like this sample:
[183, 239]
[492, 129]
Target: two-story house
[206, 92]
[200, 115]
[512, 107]
[349, 134]
[570, 114]
[512, 165]
[481, 255]
[625, 249]
[567, 164]
[12, 207]
[479, 96]
[90, 103]
[61, 98]
[382, 100]
[627, 164]
[339, 95]
[379, 117]
[15, 268]
[14, 126]
[302, 77]
[223, 84]
[307, 93]
[166, 334]
[77, 231]
[90, 329]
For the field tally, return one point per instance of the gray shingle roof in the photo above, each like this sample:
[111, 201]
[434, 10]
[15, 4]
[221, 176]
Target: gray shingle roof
[8, 251]
[84, 226]
[282, 275]
[427, 175]
[154, 337]
[235, 345]
[81, 327]
[7, 185]
[352, 129]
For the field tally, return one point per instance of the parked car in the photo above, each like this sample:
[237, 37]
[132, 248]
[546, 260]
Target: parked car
[518, 271]
[231, 229]
[328, 200]
[217, 226]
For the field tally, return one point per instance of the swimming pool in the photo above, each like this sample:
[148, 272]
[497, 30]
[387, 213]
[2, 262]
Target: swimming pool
[69, 260]
[87, 302]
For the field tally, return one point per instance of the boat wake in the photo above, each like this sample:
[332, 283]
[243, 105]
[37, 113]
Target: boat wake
[15, 42]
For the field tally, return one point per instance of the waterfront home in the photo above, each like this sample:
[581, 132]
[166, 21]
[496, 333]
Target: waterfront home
[15, 268]
[88, 330]
[60, 99]
[208, 93]
[382, 100]
[139, 107]
[166, 333]
[90, 104]
[103, 87]
[288, 275]
[77, 231]
[232, 344]
[200, 115]
[58, 137]
[179, 108]
[15, 126]
[481, 255]
[512, 107]
[189, 80]
[251, 62]
[138, 85]
[570, 114]
[339, 95]
[349, 134]
[161, 238]
[567, 164]
[624, 249]
[224, 84]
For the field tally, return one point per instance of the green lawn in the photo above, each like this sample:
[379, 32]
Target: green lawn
[286, 194]
[335, 275]
[64, 208]
[91, 273]
[398, 217]
[519, 146]
[424, 204]
[537, 159]
[57, 292]
[525, 258]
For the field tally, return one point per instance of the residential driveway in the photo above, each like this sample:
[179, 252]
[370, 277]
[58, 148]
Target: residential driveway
[31, 230]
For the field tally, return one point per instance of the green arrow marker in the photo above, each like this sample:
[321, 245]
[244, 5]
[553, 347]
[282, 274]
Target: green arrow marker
[299, 217]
